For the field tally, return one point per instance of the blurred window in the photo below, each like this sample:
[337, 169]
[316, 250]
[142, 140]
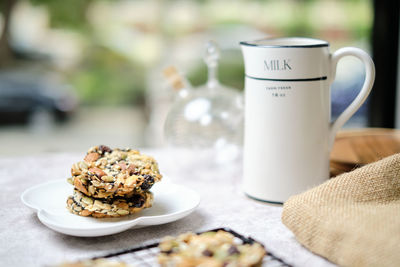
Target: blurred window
[109, 55]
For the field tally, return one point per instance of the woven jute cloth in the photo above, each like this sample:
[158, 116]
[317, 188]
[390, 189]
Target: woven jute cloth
[353, 219]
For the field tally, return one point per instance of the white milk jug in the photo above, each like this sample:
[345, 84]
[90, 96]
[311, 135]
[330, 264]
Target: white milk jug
[288, 129]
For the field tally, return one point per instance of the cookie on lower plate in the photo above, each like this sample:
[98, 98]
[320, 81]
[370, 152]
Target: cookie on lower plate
[214, 249]
[83, 205]
[107, 172]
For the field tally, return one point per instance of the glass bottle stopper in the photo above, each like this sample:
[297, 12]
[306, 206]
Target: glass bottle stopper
[211, 58]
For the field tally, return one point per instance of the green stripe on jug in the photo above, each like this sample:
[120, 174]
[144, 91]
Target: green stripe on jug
[288, 80]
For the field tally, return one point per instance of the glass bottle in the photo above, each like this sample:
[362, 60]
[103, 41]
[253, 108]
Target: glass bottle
[207, 119]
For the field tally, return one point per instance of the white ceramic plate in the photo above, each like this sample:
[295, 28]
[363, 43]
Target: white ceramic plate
[171, 202]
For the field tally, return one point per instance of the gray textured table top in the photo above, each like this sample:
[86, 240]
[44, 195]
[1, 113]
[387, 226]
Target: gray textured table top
[25, 241]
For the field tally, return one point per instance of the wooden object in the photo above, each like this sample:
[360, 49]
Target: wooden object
[355, 148]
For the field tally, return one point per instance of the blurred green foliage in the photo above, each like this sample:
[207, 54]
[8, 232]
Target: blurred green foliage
[105, 76]
[66, 13]
[230, 70]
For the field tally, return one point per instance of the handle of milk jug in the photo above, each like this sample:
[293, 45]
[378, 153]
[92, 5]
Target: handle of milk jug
[364, 92]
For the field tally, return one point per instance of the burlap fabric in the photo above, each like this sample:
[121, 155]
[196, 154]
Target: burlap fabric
[353, 219]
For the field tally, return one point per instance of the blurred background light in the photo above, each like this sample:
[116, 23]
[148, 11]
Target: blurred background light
[102, 62]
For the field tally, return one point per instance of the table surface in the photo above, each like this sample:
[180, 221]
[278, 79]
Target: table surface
[25, 241]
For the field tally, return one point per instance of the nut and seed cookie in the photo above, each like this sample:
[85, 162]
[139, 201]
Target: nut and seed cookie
[214, 249]
[83, 205]
[105, 172]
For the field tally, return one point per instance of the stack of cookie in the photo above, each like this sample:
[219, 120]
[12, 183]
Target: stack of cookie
[112, 182]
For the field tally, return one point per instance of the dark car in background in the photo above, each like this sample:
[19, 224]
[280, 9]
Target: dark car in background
[27, 96]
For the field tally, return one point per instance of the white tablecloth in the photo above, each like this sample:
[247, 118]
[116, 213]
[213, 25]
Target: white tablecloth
[25, 241]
